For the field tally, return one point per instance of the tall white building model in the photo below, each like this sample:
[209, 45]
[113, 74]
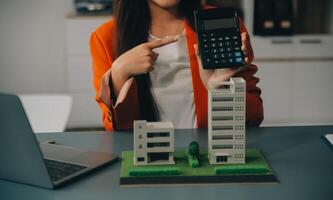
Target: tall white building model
[226, 122]
[153, 143]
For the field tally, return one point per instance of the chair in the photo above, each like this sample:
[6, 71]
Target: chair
[47, 112]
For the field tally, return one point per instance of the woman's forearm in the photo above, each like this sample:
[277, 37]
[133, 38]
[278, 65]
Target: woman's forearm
[118, 78]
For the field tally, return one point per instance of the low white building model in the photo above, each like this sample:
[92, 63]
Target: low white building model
[153, 143]
[226, 122]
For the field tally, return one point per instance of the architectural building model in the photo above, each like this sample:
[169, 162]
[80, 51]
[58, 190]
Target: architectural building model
[154, 146]
[153, 143]
[226, 122]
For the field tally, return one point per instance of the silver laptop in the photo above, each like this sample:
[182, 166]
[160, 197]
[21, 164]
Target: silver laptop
[24, 160]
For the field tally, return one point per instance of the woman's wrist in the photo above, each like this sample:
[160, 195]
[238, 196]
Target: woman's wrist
[119, 74]
[118, 77]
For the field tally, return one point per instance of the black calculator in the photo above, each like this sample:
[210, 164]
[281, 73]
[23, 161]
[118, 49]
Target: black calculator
[219, 38]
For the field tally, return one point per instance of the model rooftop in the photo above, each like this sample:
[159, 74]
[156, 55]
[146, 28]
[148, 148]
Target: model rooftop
[228, 87]
[159, 125]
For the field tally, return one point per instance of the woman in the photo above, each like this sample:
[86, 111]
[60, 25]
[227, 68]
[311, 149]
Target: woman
[147, 55]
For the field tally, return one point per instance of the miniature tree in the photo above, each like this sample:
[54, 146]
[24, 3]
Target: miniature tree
[193, 154]
[194, 149]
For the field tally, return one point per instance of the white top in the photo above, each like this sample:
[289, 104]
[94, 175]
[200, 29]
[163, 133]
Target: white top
[172, 84]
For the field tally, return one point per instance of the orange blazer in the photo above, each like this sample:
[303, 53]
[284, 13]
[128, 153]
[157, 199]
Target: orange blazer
[123, 112]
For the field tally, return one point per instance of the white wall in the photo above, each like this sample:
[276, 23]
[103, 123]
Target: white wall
[331, 19]
[32, 45]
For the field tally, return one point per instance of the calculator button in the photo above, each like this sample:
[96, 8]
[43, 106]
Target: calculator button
[228, 49]
[223, 55]
[230, 60]
[236, 43]
[213, 45]
[217, 62]
[227, 43]
[237, 48]
[235, 37]
[238, 54]
[221, 50]
[213, 39]
[229, 55]
[227, 38]
[208, 60]
[212, 34]
[204, 35]
[215, 56]
[205, 40]
[205, 46]
[214, 50]
[220, 44]
[220, 38]
[224, 61]
[239, 60]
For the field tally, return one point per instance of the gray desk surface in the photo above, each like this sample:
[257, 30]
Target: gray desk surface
[302, 163]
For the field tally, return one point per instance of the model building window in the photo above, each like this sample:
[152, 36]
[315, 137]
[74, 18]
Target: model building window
[223, 128]
[221, 159]
[158, 134]
[224, 99]
[222, 137]
[223, 146]
[239, 89]
[223, 118]
[153, 157]
[239, 155]
[226, 87]
[141, 159]
[239, 108]
[229, 108]
[158, 144]
[239, 118]
[239, 137]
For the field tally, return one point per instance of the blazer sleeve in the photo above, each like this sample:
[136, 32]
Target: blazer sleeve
[126, 108]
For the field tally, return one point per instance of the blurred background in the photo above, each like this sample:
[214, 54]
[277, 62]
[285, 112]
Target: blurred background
[44, 57]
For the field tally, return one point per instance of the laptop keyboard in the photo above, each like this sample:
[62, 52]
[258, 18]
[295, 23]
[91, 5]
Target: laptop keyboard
[59, 170]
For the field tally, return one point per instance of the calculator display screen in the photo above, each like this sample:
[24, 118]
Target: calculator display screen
[219, 23]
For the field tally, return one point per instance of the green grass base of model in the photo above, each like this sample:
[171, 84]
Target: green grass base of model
[253, 169]
[154, 171]
[255, 165]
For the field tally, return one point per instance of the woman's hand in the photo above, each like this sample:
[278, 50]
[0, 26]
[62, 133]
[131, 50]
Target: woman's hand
[247, 47]
[138, 60]
[214, 78]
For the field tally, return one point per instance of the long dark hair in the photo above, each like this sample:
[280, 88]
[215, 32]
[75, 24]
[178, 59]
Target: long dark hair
[133, 21]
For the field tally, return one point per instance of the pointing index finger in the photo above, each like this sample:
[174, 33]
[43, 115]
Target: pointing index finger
[161, 42]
